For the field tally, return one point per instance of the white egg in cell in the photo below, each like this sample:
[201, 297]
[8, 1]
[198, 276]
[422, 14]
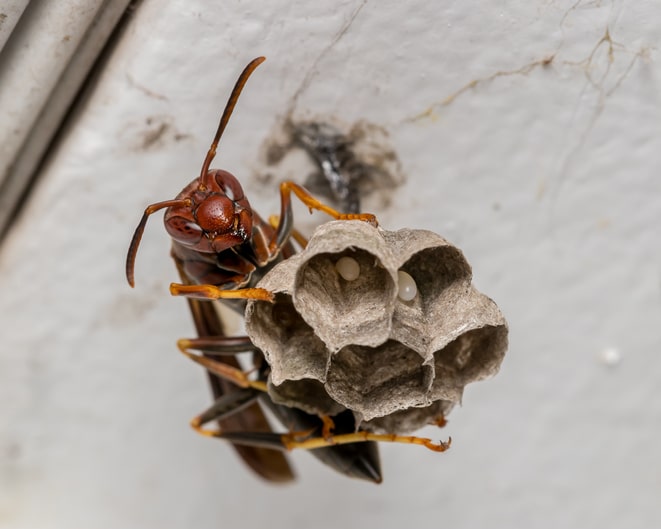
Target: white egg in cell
[407, 287]
[348, 268]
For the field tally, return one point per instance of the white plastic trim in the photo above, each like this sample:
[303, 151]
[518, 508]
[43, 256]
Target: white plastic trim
[9, 15]
[42, 65]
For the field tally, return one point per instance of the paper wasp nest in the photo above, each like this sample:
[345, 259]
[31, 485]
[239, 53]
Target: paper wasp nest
[341, 336]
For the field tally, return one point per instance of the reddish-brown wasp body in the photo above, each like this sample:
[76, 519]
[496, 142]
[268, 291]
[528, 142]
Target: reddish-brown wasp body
[222, 248]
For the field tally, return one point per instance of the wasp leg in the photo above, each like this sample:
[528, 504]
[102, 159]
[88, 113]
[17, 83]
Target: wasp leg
[439, 421]
[291, 441]
[222, 369]
[224, 407]
[229, 404]
[301, 239]
[359, 460]
[234, 402]
[256, 439]
[288, 187]
[218, 345]
[286, 224]
[328, 427]
[304, 439]
[213, 292]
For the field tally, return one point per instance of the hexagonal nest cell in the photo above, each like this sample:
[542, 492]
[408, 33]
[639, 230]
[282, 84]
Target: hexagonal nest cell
[394, 338]
[355, 307]
[377, 381]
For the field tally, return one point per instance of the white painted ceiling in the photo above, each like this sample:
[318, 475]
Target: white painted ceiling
[530, 136]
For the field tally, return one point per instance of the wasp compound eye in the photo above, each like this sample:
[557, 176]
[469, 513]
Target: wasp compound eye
[183, 230]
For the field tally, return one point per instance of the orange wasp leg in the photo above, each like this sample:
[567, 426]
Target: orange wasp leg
[228, 405]
[439, 421]
[232, 403]
[327, 428]
[263, 439]
[303, 439]
[285, 225]
[213, 292]
[222, 408]
[221, 369]
[294, 440]
[288, 187]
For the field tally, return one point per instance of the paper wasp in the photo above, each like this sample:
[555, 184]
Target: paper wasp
[221, 248]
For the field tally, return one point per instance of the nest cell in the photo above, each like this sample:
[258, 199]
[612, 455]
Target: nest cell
[376, 381]
[339, 337]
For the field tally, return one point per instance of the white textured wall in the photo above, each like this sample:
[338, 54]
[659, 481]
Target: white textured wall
[545, 172]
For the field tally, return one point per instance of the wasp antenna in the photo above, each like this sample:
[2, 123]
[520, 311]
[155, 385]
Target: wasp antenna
[137, 236]
[229, 107]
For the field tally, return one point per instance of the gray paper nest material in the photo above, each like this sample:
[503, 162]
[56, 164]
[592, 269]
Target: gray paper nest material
[335, 344]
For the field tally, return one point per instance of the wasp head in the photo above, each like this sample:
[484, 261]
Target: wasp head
[213, 215]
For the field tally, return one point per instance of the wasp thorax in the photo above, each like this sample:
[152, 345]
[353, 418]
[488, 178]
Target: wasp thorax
[385, 324]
